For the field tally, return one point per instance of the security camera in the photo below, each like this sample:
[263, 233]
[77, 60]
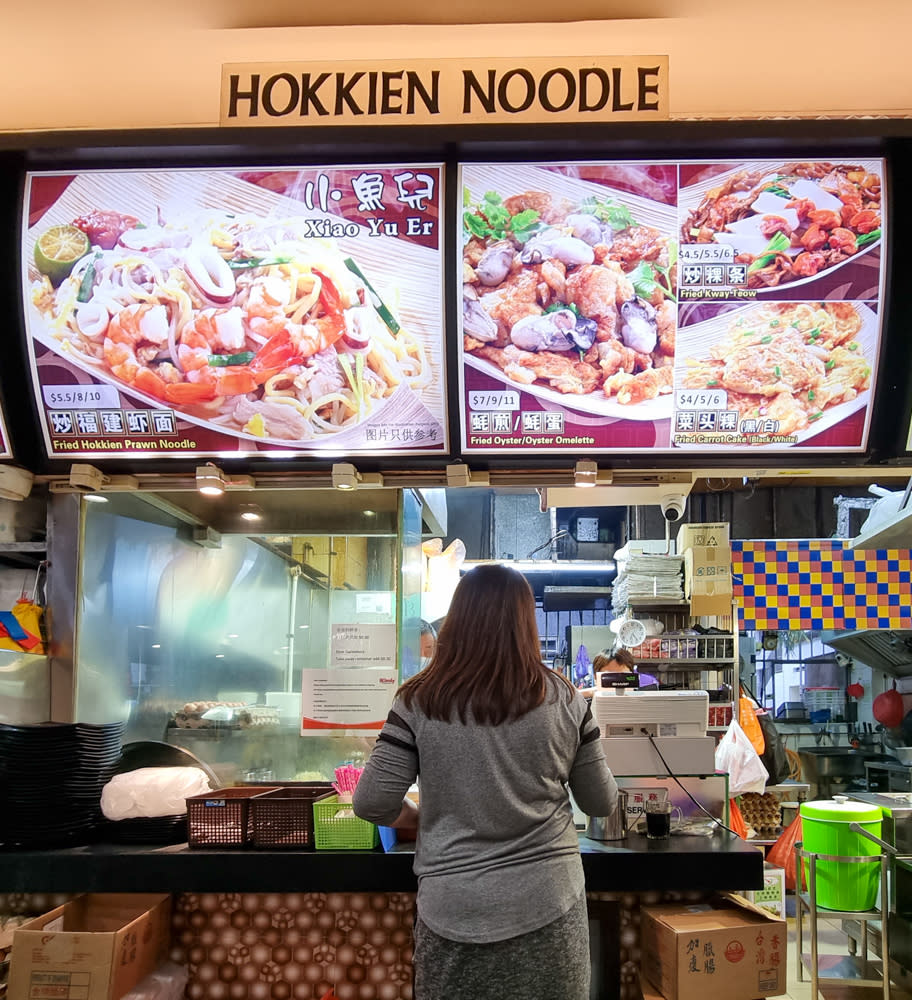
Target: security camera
[15, 483]
[673, 506]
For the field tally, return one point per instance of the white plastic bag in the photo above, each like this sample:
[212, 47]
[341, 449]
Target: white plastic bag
[167, 982]
[152, 791]
[736, 757]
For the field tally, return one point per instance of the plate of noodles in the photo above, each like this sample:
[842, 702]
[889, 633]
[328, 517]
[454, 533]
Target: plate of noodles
[791, 223]
[211, 297]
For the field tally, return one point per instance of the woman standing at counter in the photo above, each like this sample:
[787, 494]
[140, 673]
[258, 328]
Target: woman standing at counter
[497, 738]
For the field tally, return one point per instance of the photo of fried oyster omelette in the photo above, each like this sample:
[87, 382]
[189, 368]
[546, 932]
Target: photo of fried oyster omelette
[573, 297]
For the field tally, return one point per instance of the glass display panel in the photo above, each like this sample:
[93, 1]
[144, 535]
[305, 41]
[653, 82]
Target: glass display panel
[207, 648]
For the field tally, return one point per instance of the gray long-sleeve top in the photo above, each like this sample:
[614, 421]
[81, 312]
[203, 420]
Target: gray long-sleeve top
[497, 853]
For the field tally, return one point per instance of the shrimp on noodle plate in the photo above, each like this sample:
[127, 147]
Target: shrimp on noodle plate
[242, 321]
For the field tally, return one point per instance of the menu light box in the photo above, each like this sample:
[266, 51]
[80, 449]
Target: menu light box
[190, 313]
[633, 307]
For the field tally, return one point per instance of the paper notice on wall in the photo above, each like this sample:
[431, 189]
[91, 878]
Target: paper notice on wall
[374, 602]
[346, 699]
[357, 645]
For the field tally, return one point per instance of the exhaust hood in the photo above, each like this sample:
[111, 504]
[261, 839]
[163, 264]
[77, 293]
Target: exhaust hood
[887, 651]
[888, 526]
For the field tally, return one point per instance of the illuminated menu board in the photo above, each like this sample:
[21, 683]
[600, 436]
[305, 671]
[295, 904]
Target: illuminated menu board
[631, 307]
[201, 312]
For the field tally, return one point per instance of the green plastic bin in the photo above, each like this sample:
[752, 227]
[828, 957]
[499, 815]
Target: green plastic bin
[843, 885]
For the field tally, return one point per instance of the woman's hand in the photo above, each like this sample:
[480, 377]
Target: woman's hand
[407, 820]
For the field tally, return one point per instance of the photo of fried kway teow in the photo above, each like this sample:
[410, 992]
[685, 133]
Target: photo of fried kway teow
[578, 298]
[786, 362]
[790, 223]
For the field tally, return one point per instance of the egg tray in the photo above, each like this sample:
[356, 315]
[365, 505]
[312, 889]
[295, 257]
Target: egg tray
[762, 811]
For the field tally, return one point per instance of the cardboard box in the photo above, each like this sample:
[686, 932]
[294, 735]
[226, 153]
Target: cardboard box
[772, 896]
[725, 950]
[699, 535]
[98, 946]
[708, 580]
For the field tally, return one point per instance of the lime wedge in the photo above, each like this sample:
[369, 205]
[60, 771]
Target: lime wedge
[57, 249]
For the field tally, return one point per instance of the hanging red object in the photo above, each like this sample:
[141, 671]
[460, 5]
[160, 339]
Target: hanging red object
[888, 708]
[855, 691]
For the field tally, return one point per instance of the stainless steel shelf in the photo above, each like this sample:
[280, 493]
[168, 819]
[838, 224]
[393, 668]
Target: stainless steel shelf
[689, 661]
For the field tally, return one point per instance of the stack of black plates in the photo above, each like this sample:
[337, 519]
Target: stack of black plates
[148, 830]
[51, 781]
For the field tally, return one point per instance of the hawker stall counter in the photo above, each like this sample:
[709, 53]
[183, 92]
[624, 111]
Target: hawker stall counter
[681, 864]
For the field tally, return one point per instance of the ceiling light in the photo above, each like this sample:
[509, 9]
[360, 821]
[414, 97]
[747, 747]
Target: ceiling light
[346, 477]
[251, 512]
[87, 479]
[210, 480]
[459, 474]
[95, 498]
[585, 473]
[369, 513]
[207, 537]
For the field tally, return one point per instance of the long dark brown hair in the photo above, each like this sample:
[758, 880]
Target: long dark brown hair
[488, 658]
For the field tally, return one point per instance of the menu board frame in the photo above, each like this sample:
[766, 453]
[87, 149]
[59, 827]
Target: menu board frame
[5, 449]
[572, 423]
[399, 391]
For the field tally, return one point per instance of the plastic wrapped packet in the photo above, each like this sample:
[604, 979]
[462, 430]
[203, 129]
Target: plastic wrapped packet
[152, 791]
[167, 982]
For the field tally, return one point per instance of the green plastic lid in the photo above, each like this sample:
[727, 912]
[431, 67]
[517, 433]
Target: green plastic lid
[841, 809]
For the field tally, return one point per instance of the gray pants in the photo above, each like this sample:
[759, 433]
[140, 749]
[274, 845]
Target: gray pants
[551, 963]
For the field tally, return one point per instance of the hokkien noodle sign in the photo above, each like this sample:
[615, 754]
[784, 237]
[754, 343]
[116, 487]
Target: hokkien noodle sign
[446, 92]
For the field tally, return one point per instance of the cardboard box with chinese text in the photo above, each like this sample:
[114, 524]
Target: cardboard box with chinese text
[98, 946]
[724, 950]
[708, 580]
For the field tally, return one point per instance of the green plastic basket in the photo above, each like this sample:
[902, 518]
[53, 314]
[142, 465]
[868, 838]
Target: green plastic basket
[333, 833]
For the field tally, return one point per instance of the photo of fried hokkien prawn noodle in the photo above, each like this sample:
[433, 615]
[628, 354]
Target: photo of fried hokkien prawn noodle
[787, 362]
[790, 223]
[577, 297]
[236, 319]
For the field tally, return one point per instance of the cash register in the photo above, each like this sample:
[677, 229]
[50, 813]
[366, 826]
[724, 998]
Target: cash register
[640, 728]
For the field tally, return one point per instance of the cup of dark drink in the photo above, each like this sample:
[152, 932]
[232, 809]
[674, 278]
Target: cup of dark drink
[658, 820]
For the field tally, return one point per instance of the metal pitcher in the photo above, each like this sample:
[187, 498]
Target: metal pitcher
[613, 827]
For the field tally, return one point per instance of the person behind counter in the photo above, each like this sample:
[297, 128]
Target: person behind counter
[498, 738]
[620, 661]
